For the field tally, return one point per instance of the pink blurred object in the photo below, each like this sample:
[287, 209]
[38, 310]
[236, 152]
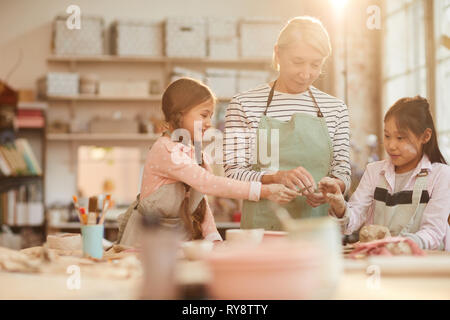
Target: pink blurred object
[274, 235]
[387, 247]
[236, 217]
[273, 270]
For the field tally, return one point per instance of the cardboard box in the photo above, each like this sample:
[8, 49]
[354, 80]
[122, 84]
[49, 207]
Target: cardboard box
[88, 40]
[134, 38]
[123, 88]
[185, 37]
[113, 126]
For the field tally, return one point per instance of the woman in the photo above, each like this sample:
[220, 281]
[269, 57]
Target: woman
[313, 128]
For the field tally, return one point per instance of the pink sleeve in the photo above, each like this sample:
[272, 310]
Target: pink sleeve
[434, 225]
[177, 165]
[209, 228]
[360, 206]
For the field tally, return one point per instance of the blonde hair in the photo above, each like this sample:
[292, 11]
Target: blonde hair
[307, 29]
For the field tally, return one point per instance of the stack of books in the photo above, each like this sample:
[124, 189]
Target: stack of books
[18, 159]
[22, 207]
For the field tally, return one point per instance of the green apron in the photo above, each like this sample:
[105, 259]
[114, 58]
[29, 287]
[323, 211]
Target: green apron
[304, 141]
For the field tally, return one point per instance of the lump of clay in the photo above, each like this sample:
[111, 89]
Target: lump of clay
[373, 232]
[400, 248]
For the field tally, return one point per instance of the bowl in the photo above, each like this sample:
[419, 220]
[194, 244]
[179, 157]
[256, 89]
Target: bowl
[272, 270]
[197, 249]
[274, 235]
[244, 236]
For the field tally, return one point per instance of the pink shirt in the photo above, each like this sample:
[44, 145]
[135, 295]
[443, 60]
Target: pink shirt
[170, 162]
[434, 226]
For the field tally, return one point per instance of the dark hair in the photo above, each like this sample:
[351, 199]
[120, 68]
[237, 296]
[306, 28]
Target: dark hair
[414, 114]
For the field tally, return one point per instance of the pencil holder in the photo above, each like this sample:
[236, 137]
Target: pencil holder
[93, 240]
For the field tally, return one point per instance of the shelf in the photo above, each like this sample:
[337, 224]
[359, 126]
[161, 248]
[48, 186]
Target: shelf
[77, 225]
[31, 129]
[8, 183]
[114, 224]
[101, 137]
[34, 105]
[163, 60]
[92, 97]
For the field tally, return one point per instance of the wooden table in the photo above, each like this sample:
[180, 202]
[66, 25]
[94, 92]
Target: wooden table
[354, 284]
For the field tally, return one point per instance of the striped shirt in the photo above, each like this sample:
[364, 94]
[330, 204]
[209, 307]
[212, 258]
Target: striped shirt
[244, 113]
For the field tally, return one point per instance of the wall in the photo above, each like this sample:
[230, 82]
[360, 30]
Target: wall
[26, 25]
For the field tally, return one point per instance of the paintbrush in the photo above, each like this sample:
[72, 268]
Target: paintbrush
[106, 205]
[77, 207]
[92, 210]
[83, 215]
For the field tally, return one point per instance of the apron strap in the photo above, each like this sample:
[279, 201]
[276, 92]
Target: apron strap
[419, 186]
[269, 100]
[319, 112]
[272, 91]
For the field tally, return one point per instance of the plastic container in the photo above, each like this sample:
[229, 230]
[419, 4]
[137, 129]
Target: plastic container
[92, 237]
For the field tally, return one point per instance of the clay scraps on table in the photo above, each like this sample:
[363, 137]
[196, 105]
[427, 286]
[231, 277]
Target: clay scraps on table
[391, 246]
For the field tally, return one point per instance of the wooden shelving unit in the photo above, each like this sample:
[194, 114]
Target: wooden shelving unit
[101, 137]
[12, 182]
[102, 62]
[161, 60]
[93, 98]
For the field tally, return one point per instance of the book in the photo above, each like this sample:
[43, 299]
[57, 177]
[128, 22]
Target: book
[25, 149]
[9, 159]
[5, 169]
[16, 160]
[11, 207]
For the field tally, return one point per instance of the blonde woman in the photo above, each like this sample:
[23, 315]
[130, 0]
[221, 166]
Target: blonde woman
[313, 128]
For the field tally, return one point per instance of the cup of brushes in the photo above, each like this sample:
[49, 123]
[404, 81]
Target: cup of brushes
[92, 225]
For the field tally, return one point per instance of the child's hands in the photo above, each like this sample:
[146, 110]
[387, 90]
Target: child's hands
[333, 195]
[278, 193]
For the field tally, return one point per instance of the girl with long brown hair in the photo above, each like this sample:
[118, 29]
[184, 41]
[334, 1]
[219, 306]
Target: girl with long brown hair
[176, 179]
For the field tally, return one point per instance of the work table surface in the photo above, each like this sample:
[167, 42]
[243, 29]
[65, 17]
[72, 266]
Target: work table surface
[354, 284]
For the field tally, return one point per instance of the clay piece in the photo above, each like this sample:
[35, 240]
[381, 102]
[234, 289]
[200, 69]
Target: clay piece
[373, 232]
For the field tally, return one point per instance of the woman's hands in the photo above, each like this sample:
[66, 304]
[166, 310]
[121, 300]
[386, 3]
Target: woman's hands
[333, 195]
[303, 183]
[298, 179]
[278, 193]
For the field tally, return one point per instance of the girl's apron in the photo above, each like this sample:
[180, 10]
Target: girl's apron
[166, 202]
[401, 212]
[303, 141]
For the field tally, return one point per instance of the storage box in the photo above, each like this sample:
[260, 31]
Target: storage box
[88, 40]
[249, 79]
[258, 37]
[123, 89]
[89, 84]
[178, 72]
[226, 49]
[59, 83]
[133, 38]
[185, 37]
[113, 126]
[222, 28]
[222, 82]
